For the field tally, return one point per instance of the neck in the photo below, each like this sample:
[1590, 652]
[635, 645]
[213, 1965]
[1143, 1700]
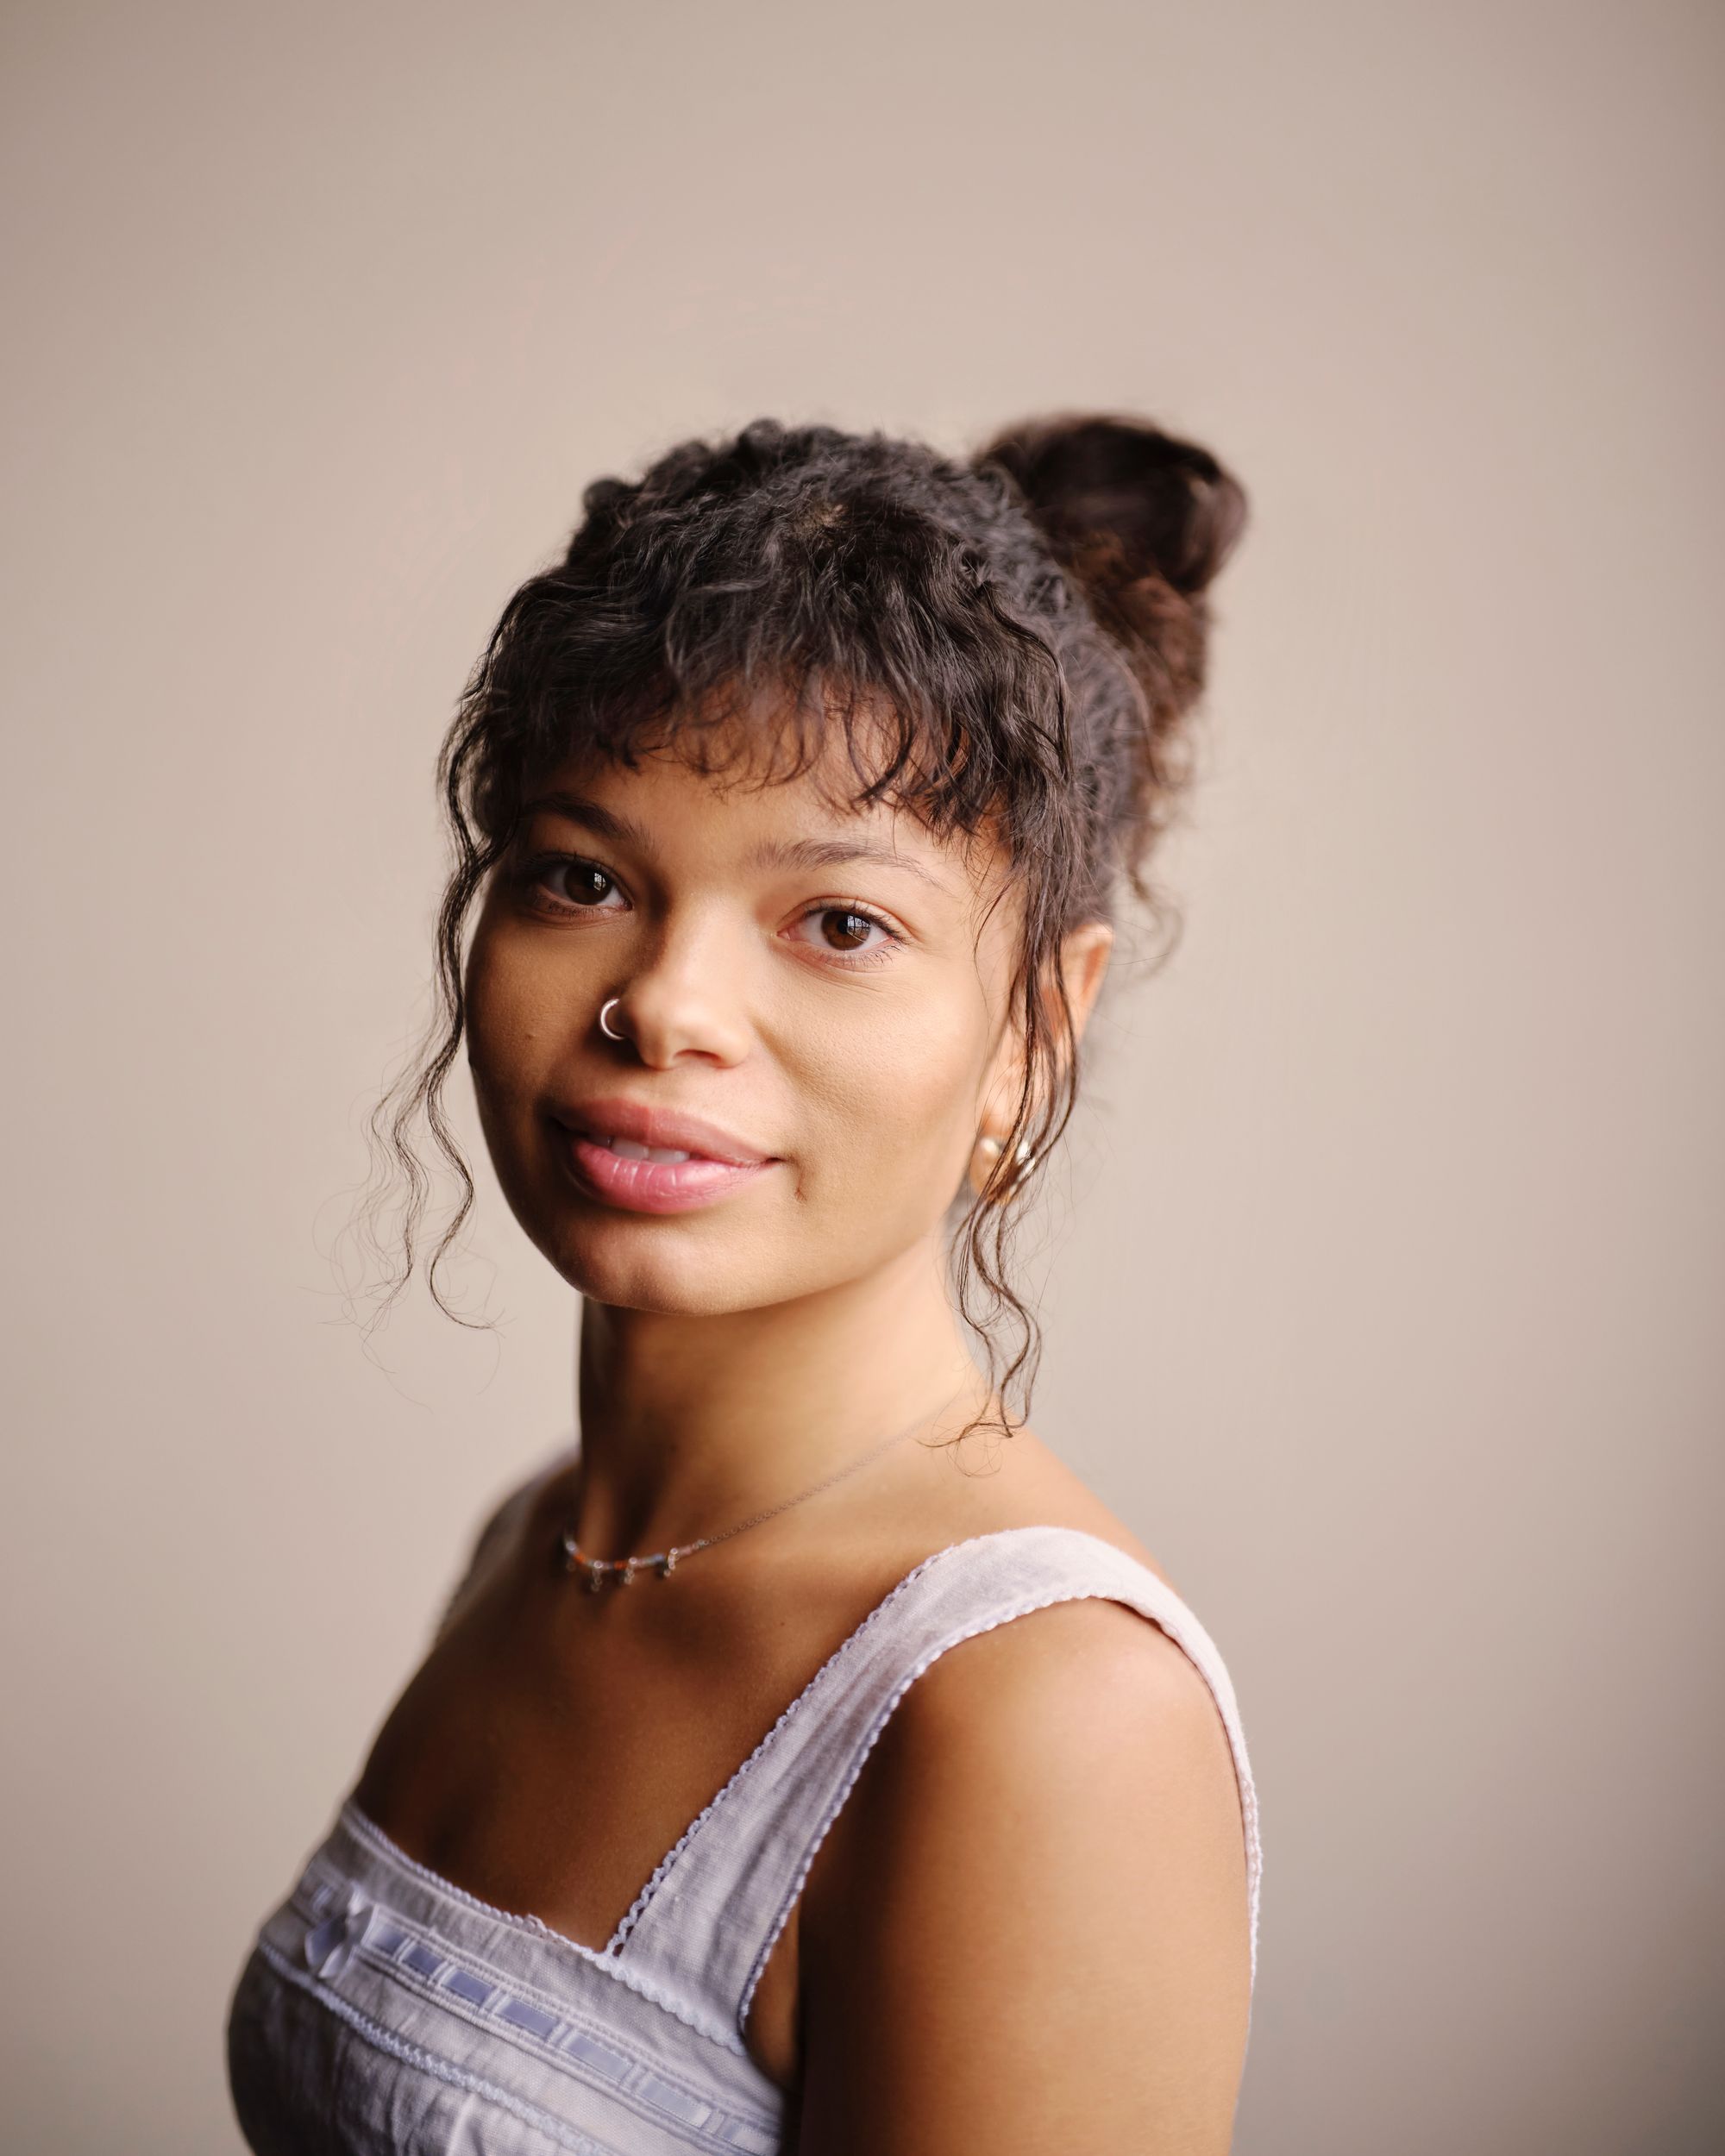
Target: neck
[690, 1423]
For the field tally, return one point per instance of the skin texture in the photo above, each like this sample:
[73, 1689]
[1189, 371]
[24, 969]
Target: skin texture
[1028, 1926]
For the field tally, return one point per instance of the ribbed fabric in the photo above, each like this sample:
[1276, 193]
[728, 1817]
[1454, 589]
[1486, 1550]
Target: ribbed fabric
[383, 2010]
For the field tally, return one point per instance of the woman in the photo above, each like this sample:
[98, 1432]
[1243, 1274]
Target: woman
[796, 800]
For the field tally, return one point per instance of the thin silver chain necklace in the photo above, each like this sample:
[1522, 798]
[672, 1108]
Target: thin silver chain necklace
[661, 1563]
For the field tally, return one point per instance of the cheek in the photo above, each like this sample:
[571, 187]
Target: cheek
[518, 1028]
[892, 1095]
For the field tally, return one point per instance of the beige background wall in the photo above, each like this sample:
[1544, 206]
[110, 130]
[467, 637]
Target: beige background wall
[1388, 1307]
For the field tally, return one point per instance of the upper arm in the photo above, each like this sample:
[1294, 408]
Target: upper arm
[1029, 1926]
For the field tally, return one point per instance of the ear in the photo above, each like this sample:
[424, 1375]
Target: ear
[1084, 962]
[1084, 955]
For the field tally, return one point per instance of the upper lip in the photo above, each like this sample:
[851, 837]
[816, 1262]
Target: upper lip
[663, 1128]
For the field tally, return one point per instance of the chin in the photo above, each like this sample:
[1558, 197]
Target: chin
[658, 1266]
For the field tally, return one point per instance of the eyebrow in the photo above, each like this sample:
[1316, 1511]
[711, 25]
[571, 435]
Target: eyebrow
[788, 853]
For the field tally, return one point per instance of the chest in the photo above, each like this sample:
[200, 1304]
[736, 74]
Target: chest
[549, 1761]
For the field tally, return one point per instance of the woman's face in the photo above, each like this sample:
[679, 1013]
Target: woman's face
[814, 1005]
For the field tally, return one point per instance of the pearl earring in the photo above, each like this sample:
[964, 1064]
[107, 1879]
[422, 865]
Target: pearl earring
[984, 1157]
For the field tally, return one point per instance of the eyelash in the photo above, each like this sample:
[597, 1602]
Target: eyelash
[530, 881]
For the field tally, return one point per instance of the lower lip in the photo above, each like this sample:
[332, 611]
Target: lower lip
[656, 1185]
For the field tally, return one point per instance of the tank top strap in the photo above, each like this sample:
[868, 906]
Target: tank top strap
[708, 1920]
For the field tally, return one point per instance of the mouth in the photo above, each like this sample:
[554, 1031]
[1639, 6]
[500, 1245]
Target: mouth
[654, 1160]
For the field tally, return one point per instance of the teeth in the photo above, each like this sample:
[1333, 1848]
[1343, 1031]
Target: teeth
[626, 1148]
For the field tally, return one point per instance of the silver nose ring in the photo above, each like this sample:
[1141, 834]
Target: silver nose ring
[604, 1011]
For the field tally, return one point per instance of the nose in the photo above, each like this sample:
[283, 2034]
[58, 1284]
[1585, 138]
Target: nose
[685, 1001]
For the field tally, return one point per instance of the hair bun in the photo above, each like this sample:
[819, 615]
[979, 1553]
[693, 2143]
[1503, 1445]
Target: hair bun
[1139, 522]
[1167, 507]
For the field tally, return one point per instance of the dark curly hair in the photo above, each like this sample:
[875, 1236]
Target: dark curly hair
[1013, 641]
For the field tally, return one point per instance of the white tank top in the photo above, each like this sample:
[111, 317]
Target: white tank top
[383, 2009]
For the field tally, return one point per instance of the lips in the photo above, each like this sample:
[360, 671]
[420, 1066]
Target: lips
[660, 1129]
[654, 1160]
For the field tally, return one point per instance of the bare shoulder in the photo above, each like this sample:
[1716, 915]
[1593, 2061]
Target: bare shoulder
[1083, 1715]
[1086, 1656]
[1032, 1927]
[503, 1524]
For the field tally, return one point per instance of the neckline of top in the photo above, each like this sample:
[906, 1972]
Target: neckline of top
[609, 1955]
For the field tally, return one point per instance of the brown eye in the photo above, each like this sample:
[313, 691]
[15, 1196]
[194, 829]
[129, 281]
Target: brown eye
[846, 932]
[586, 882]
[843, 930]
[566, 883]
